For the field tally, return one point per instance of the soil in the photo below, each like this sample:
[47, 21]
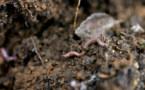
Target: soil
[121, 66]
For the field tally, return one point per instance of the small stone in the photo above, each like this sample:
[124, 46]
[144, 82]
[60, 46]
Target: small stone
[113, 51]
[136, 65]
[79, 75]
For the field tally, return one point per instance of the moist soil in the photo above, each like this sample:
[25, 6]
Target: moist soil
[121, 66]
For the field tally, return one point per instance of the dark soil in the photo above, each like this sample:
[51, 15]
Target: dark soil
[121, 66]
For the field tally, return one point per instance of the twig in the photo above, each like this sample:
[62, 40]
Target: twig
[76, 14]
[39, 56]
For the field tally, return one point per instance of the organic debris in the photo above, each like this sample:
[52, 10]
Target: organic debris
[95, 25]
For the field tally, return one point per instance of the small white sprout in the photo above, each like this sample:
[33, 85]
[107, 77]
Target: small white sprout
[136, 28]
[74, 84]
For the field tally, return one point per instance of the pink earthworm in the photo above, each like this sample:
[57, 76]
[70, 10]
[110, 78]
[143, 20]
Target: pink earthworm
[95, 40]
[6, 56]
[73, 53]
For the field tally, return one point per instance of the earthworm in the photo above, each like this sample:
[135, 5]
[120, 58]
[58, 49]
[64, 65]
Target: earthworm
[95, 40]
[6, 56]
[73, 53]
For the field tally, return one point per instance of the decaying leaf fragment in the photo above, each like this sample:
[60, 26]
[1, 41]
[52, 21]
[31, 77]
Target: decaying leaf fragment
[95, 25]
